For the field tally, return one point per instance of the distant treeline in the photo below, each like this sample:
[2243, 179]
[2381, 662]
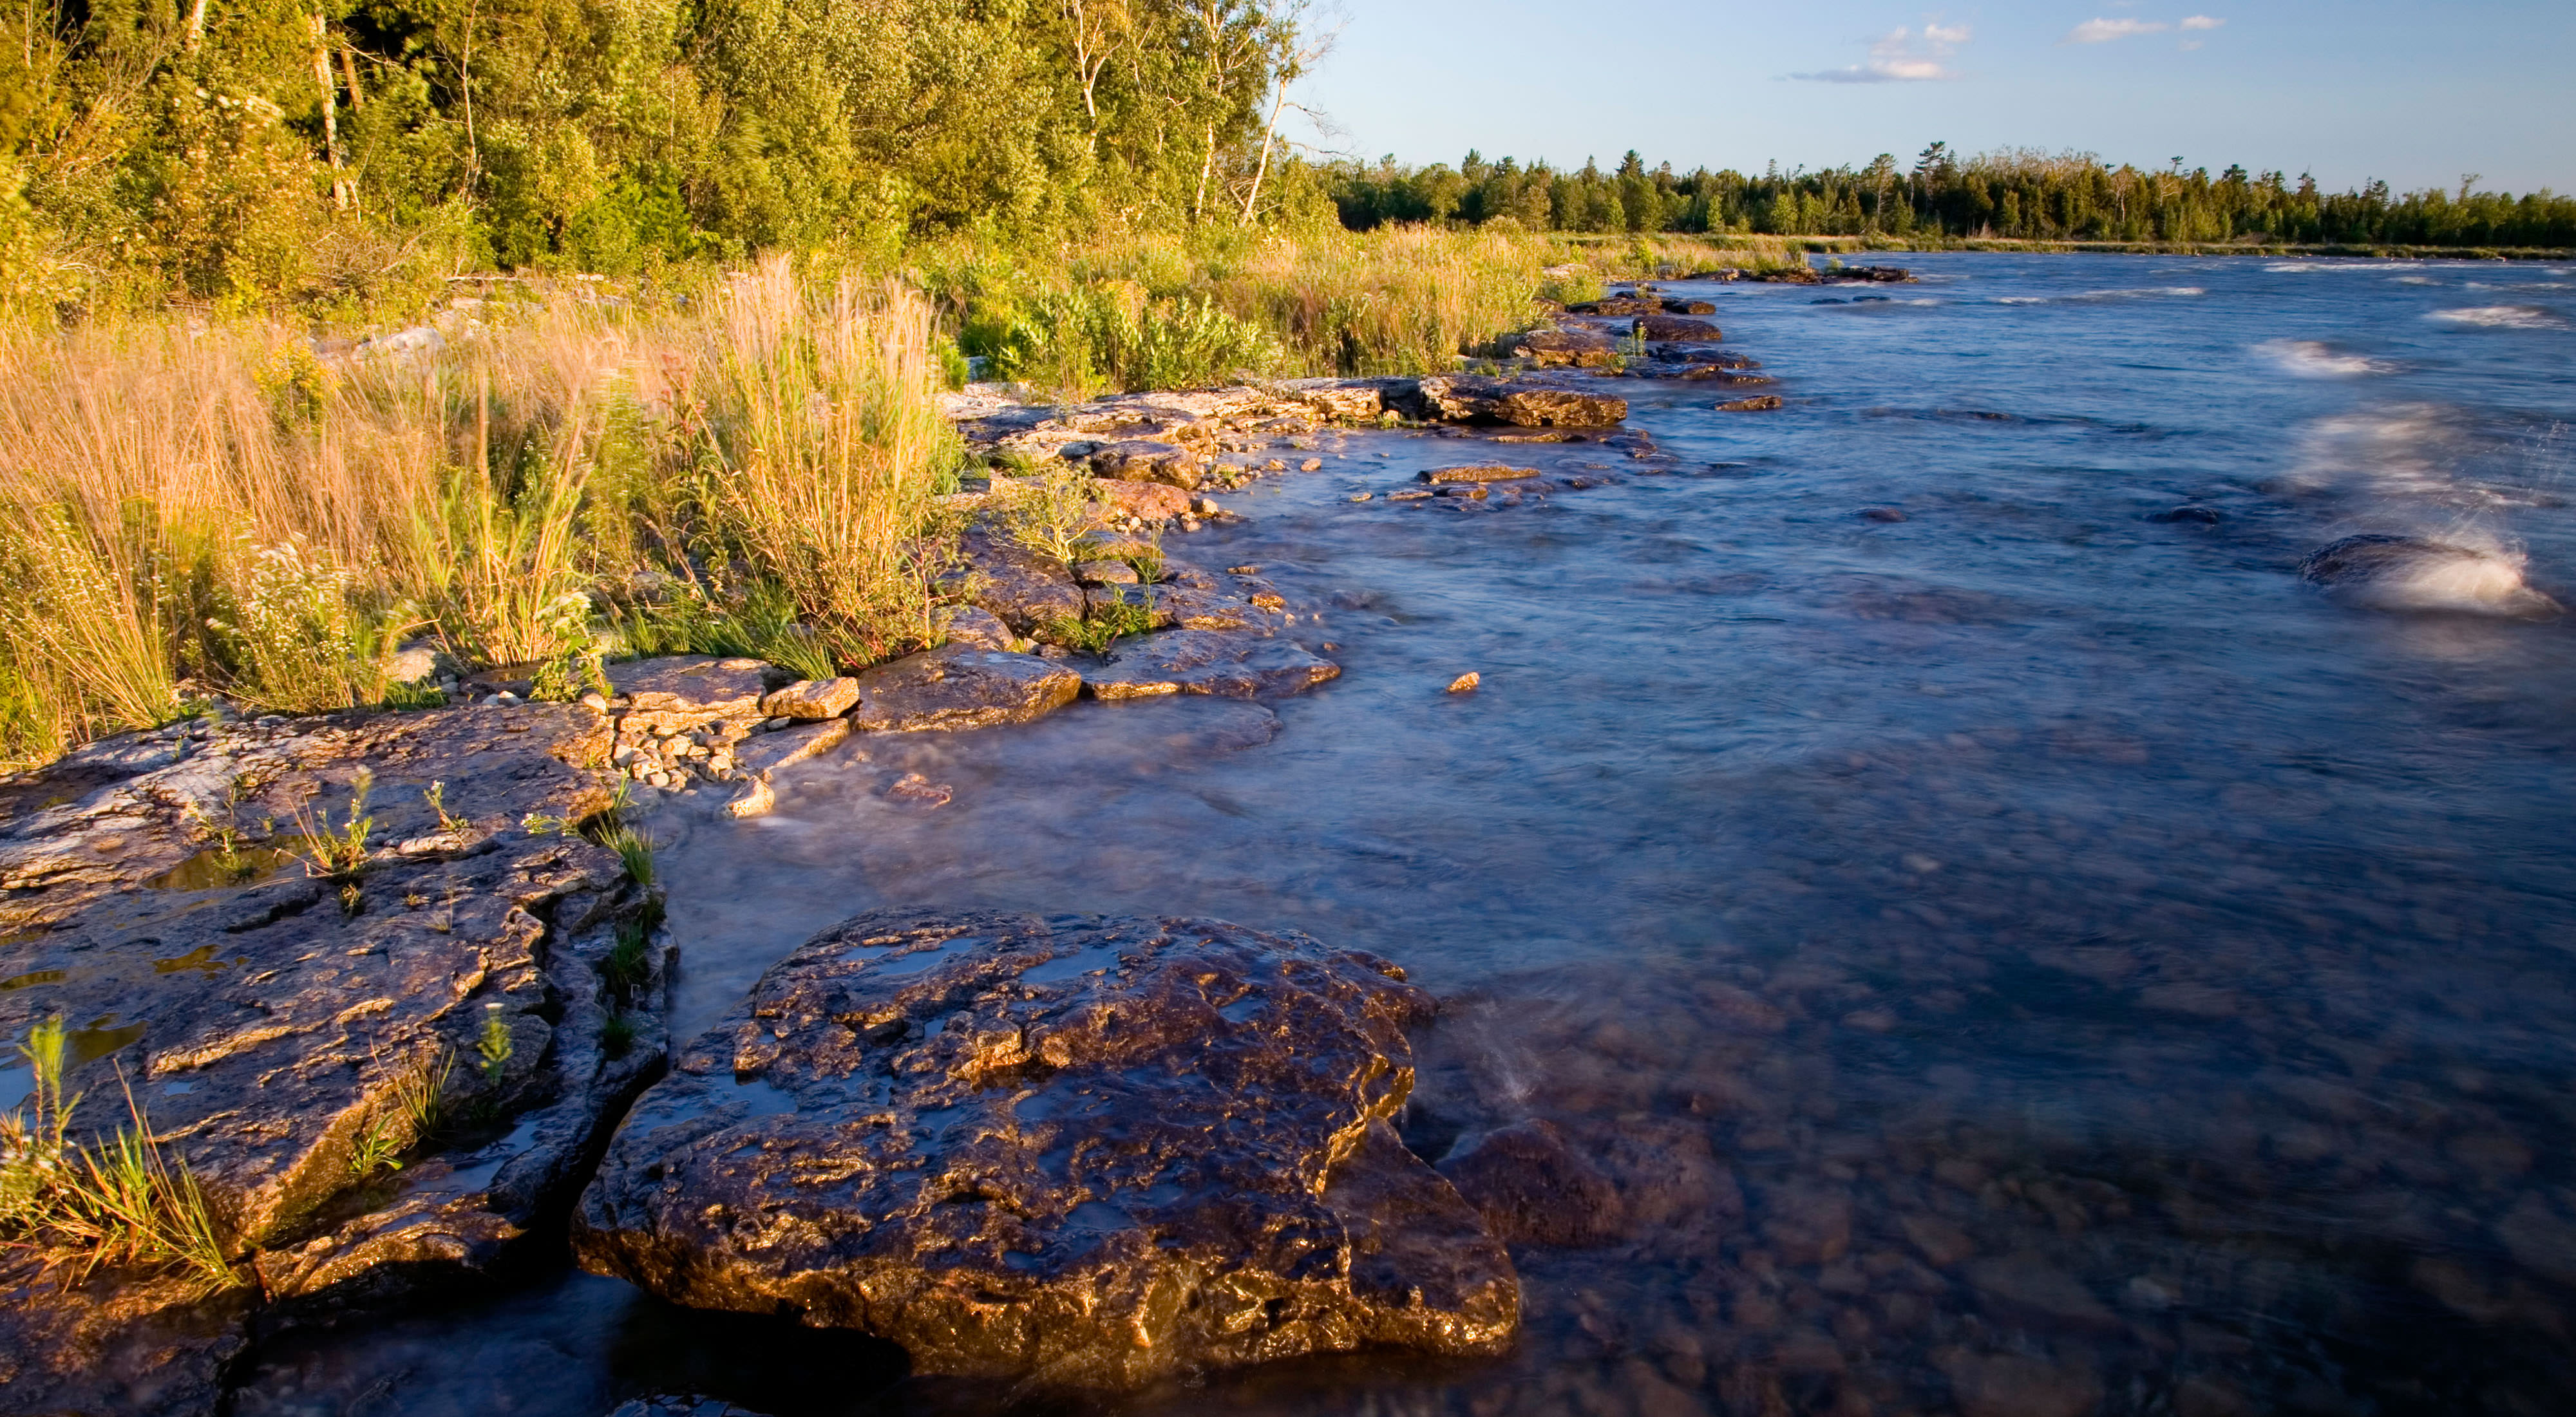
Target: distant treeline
[2014, 194]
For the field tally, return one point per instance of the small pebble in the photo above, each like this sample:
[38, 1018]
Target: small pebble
[1466, 683]
[1311, 465]
[1362, 496]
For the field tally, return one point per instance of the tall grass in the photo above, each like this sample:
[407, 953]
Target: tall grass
[1170, 310]
[192, 510]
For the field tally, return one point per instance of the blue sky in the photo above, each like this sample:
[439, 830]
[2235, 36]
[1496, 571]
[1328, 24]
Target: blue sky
[2415, 93]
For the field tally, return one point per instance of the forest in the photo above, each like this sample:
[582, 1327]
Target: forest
[2015, 195]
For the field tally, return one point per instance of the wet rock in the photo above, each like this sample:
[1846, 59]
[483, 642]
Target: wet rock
[1941, 1242]
[1808, 1224]
[1676, 329]
[1104, 573]
[1143, 460]
[1881, 514]
[1478, 472]
[1582, 349]
[1759, 403]
[2009, 1385]
[1022, 589]
[1700, 356]
[1615, 305]
[1884, 275]
[759, 758]
[1467, 399]
[920, 791]
[959, 687]
[2411, 573]
[1144, 501]
[2204, 516]
[812, 698]
[1235, 666]
[1678, 306]
[1790, 275]
[1079, 1150]
[120, 1343]
[1533, 1188]
[268, 1027]
[692, 684]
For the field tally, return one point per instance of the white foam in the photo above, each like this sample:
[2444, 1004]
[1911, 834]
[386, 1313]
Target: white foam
[2175, 292]
[2311, 359]
[2311, 267]
[2450, 578]
[2417, 280]
[2501, 317]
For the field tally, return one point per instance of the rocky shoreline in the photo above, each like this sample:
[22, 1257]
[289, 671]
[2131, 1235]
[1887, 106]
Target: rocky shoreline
[493, 951]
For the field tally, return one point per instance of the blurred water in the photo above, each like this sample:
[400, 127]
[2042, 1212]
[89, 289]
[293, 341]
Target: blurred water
[2117, 976]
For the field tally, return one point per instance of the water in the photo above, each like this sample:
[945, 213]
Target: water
[2115, 975]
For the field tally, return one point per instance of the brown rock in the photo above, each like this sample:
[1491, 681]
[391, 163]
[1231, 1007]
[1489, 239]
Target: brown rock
[265, 1027]
[1673, 306]
[1582, 349]
[1759, 403]
[1808, 1224]
[1614, 305]
[1022, 589]
[1145, 501]
[691, 684]
[1467, 399]
[959, 687]
[1109, 573]
[812, 698]
[1234, 666]
[974, 625]
[2028, 1286]
[1085, 1151]
[1141, 460]
[1941, 1242]
[1674, 328]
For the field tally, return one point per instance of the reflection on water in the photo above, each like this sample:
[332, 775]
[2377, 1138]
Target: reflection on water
[2033, 957]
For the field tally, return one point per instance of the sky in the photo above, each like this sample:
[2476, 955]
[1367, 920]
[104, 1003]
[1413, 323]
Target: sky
[2418, 94]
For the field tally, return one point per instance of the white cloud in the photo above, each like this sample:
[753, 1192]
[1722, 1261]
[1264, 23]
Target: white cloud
[2201, 22]
[2104, 31]
[1900, 56]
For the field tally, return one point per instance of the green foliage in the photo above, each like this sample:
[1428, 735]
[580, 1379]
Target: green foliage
[1102, 626]
[1050, 513]
[629, 966]
[493, 1046]
[337, 853]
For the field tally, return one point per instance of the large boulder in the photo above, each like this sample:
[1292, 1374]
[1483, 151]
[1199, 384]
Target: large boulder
[691, 684]
[960, 686]
[1226, 665]
[1469, 399]
[1078, 1150]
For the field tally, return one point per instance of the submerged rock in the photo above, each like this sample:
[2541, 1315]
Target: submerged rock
[1676, 330]
[1479, 472]
[1233, 666]
[960, 686]
[1075, 1150]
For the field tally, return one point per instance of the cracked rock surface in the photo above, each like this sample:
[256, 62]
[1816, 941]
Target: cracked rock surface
[268, 1021]
[1074, 1150]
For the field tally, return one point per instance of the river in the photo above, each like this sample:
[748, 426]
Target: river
[2113, 974]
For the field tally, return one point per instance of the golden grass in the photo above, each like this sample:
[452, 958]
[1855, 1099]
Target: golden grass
[223, 509]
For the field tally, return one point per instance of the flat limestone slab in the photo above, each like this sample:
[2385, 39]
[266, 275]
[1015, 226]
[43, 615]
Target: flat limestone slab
[1227, 665]
[1083, 1151]
[958, 687]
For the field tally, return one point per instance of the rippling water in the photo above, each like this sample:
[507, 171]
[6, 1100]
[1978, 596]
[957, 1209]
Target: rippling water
[2113, 974]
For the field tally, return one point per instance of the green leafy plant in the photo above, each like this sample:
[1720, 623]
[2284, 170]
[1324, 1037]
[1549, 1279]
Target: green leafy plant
[629, 965]
[634, 847]
[377, 1148]
[420, 1094]
[617, 1035]
[494, 1045]
[1104, 626]
[448, 821]
[339, 853]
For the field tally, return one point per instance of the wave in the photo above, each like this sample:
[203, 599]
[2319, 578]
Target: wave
[2309, 267]
[2177, 292]
[2412, 573]
[2313, 359]
[2502, 317]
